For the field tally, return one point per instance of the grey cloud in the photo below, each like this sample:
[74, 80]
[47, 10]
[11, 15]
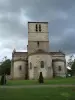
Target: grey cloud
[14, 15]
[11, 27]
[11, 44]
[65, 42]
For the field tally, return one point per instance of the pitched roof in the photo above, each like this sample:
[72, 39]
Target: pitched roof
[19, 53]
[58, 59]
[58, 53]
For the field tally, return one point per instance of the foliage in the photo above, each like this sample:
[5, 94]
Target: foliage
[5, 67]
[41, 80]
[70, 61]
[73, 68]
[3, 80]
[69, 72]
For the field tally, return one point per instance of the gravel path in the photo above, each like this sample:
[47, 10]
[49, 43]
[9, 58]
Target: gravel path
[37, 86]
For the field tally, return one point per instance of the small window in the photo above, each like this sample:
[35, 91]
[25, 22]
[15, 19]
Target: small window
[36, 27]
[30, 65]
[40, 28]
[38, 43]
[20, 67]
[42, 64]
[59, 68]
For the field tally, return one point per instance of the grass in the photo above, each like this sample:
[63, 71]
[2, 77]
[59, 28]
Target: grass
[35, 82]
[37, 94]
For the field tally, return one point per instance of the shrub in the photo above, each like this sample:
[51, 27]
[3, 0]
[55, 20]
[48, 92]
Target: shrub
[41, 79]
[3, 80]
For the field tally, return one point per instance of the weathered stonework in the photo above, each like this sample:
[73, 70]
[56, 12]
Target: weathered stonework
[18, 59]
[36, 59]
[37, 51]
[37, 36]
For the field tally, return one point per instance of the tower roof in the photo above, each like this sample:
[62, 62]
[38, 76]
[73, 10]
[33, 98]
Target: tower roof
[37, 22]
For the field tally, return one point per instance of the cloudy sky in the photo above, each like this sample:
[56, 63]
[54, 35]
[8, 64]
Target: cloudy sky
[14, 15]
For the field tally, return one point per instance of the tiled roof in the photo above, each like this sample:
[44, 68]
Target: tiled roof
[58, 53]
[58, 60]
[38, 51]
[19, 53]
[37, 22]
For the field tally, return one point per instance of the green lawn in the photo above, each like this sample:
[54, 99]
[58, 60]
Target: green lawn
[42, 93]
[35, 82]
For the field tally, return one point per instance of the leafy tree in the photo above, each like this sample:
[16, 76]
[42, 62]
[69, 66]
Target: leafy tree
[5, 67]
[70, 61]
[73, 68]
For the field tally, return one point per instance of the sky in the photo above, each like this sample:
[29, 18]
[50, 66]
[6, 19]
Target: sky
[15, 14]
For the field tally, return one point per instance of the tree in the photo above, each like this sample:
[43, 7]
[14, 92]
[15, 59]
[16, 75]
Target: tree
[70, 61]
[5, 67]
[73, 68]
[41, 80]
[3, 79]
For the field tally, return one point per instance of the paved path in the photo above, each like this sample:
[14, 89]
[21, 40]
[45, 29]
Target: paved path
[37, 86]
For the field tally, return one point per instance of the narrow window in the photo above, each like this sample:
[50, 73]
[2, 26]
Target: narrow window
[38, 43]
[36, 27]
[59, 68]
[40, 28]
[20, 67]
[42, 64]
[30, 65]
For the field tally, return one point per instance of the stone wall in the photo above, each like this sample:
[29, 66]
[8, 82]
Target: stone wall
[59, 71]
[18, 55]
[34, 37]
[19, 73]
[18, 59]
[58, 56]
[32, 28]
[33, 46]
[38, 36]
[35, 60]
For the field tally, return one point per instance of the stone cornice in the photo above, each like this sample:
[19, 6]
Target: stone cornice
[54, 60]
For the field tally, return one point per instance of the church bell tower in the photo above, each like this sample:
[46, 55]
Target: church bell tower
[38, 36]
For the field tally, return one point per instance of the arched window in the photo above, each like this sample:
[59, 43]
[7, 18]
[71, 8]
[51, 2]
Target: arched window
[59, 68]
[40, 28]
[30, 65]
[36, 27]
[42, 64]
[38, 43]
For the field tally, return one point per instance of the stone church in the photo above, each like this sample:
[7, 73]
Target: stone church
[38, 58]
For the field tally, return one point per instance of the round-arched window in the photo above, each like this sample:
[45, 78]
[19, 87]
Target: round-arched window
[42, 64]
[30, 65]
[59, 68]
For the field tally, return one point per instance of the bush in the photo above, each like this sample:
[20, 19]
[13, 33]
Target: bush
[41, 79]
[3, 80]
